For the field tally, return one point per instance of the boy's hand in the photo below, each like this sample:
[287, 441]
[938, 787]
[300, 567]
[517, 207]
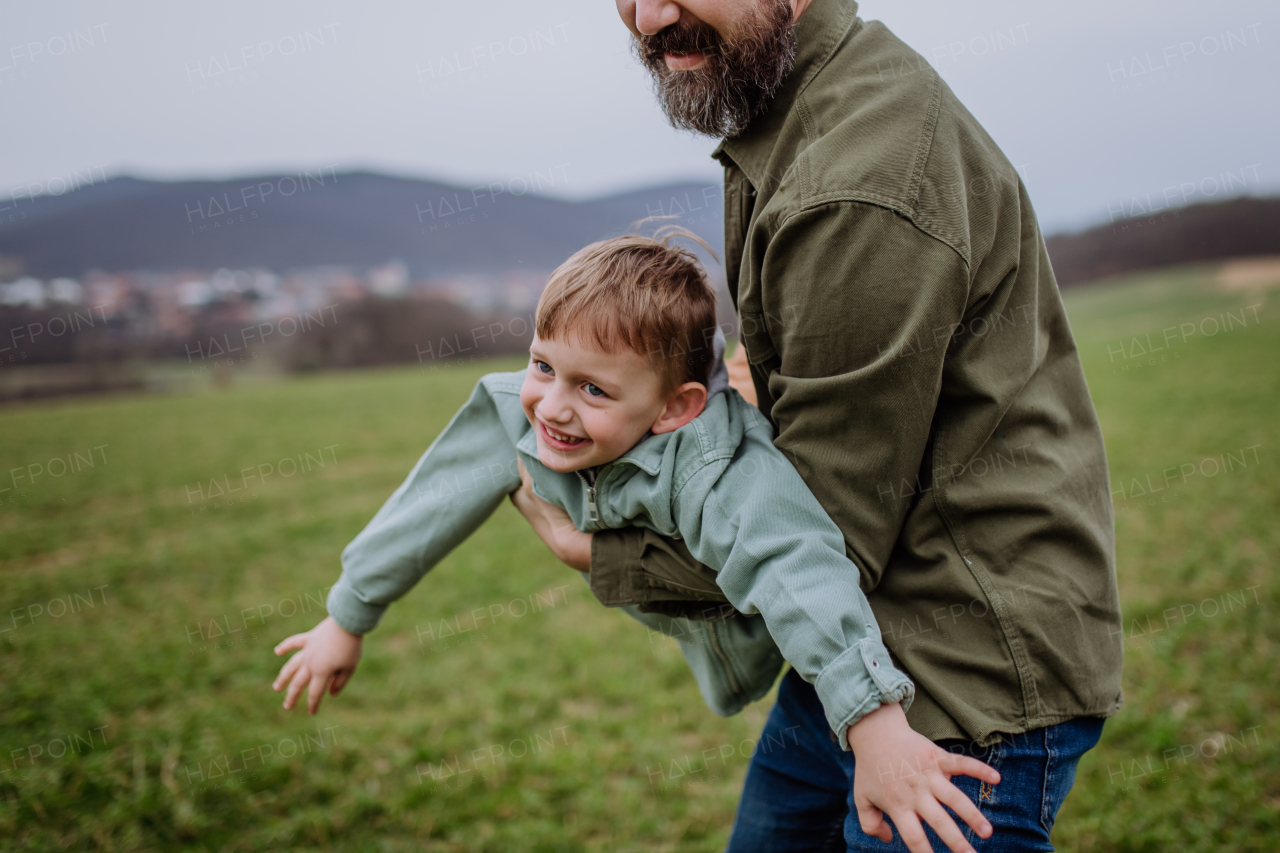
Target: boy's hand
[328, 658]
[904, 775]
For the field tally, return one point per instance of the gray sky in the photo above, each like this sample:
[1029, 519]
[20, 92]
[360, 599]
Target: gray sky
[1097, 102]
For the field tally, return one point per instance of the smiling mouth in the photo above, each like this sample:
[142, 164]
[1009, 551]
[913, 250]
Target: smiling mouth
[561, 441]
[684, 61]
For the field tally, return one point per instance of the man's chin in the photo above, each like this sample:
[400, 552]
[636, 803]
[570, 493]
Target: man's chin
[719, 94]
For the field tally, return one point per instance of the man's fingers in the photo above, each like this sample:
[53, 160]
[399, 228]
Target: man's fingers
[521, 495]
[295, 687]
[872, 821]
[286, 672]
[952, 764]
[942, 824]
[956, 800]
[315, 691]
[297, 641]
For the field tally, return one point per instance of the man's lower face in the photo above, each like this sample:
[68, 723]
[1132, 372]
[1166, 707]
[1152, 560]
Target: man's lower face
[715, 85]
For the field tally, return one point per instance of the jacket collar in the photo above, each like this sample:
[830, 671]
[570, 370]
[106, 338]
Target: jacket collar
[820, 30]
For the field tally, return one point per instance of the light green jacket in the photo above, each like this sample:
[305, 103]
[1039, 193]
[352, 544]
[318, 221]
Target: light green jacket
[718, 482]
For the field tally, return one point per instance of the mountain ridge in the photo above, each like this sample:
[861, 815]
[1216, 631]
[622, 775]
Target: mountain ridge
[280, 221]
[362, 218]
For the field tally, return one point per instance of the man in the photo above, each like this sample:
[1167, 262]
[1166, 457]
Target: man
[903, 332]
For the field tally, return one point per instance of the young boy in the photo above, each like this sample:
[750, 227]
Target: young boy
[618, 420]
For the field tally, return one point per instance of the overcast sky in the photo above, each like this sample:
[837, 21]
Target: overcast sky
[1097, 102]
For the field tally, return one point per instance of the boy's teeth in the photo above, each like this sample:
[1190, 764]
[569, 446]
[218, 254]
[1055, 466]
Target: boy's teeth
[560, 437]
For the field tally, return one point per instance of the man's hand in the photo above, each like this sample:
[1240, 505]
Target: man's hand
[904, 775]
[328, 658]
[553, 525]
[740, 374]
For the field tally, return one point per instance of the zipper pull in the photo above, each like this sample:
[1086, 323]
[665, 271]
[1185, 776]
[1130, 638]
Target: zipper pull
[591, 503]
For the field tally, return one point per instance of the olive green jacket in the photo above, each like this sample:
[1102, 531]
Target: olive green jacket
[909, 345]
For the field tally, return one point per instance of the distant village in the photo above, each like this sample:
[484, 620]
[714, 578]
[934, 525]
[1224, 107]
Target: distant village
[169, 315]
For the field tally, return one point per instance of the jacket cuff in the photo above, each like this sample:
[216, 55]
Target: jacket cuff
[352, 614]
[862, 679]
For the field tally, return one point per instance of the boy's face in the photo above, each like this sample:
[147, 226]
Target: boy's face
[589, 407]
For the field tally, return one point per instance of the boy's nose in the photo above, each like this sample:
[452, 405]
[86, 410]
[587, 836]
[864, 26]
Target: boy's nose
[555, 408]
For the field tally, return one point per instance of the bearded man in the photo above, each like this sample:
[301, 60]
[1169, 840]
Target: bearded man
[902, 330]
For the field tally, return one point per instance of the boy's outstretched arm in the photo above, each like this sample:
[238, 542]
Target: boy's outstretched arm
[457, 483]
[328, 658]
[462, 478]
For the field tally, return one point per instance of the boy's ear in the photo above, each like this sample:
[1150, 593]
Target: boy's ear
[684, 404]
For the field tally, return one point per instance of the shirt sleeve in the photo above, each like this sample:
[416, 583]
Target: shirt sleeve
[456, 485]
[858, 309]
[781, 556]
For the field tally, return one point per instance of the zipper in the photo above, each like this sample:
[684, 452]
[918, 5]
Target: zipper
[728, 670]
[591, 496]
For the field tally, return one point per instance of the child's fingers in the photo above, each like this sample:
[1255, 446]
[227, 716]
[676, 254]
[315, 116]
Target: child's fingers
[297, 641]
[953, 764]
[945, 827]
[912, 832]
[295, 688]
[287, 671]
[339, 681]
[315, 691]
[953, 797]
[872, 821]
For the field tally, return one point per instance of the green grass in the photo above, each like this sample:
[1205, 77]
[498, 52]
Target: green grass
[591, 733]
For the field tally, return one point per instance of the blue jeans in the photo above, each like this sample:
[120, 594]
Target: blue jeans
[798, 795]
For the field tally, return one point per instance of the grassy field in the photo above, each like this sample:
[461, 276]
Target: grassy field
[498, 707]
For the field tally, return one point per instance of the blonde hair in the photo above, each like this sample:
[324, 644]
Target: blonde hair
[643, 293]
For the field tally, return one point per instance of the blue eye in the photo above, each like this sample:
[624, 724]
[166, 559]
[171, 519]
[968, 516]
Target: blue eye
[594, 390]
[544, 367]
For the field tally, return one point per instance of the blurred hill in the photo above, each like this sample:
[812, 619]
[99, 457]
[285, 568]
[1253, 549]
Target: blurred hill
[353, 219]
[360, 219]
[1204, 232]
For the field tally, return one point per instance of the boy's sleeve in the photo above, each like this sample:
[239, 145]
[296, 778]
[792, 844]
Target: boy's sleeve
[782, 556]
[456, 485]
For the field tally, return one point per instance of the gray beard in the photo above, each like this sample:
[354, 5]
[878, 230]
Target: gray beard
[736, 81]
